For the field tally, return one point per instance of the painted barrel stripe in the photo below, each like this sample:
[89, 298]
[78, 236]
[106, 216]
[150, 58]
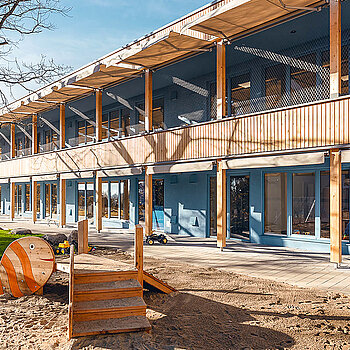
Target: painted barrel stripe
[26, 265]
[11, 275]
[1, 288]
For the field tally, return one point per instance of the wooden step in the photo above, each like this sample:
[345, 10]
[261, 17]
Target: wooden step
[107, 309]
[117, 325]
[99, 277]
[107, 290]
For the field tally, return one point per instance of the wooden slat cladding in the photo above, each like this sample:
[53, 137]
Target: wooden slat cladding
[316, 125]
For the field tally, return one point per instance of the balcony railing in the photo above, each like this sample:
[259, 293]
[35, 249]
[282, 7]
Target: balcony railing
[49, 147]
[23, 152]
[5, 156]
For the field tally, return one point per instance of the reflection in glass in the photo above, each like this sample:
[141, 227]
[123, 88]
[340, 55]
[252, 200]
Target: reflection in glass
[275, 86]
[38, 200]
[81, 201]
[89, 200]
[53, 200]
[240, 94]
[239, 207]
[275, 219]
[141, 201]
[114, 199]
[304, 204]
[324, 208]
[212, 207]
[124, 198]
[27, 194]
[105, 199]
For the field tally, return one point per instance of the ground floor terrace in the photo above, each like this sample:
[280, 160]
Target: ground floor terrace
[276, 200]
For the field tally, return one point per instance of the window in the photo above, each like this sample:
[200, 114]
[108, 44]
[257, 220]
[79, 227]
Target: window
[86, 132]
[114, 124]
[18, 199]
[304, 204]
[240, 94]
[275, 219]
[158, 114]
[303, 79]
[104, 131]
[114, 199]
[124, 200]
[275, 86]
[27, 194]
[212, 101]
[324, 207]
[38, 198]
[141, 200]
[105, 199]
[85, 200]
[125, 117]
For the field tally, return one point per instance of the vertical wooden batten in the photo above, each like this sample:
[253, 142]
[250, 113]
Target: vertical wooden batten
[62, 125]
[98, 115]
[13, 140]
[335, 48]
[335, 199]
[148, 203]
[221, 206]
[98, 204]
[63, 189]
[34, 200]
[34, 134]
[148, 101]
[221, 79]
[138, 254]
[12, 197]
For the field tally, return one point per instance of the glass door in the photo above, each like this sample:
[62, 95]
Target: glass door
[212, 206]
[81, 201]
[85, 200]
[158, 204]
[141, 201]
[239, 207]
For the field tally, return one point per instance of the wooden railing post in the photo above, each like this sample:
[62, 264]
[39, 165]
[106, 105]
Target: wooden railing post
[34, 134]
[83, 236]
[148, 203]
[221, 80]
[148, 101]
[98, 115]
[139, 252]
[62, 125]
[335, 48]
[335, 200]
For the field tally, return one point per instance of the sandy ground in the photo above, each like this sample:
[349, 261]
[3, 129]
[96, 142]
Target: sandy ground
[211, 310]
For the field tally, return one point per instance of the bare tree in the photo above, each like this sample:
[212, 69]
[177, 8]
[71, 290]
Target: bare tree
[19, 19]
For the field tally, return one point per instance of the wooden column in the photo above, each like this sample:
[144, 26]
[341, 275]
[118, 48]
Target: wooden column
[148, 203]
[335, 48]
[62, 125]
[12, 198]
[98, 204]
[98, 115]
[148, 101]
[221, 206]
[34, 200]
[138, 254]
[83, 236]
[12, 139]
[63, 190]
[335, 200]
[221, 80]
[34, 134]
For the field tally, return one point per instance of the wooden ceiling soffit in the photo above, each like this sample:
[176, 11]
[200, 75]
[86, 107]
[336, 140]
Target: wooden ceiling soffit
[105, 76]
[240, 16]
[152, 53]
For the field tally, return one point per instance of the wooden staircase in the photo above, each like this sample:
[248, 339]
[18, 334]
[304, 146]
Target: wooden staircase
[109, 300]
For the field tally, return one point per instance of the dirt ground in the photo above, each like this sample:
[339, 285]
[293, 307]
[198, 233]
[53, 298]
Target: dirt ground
[212, 309]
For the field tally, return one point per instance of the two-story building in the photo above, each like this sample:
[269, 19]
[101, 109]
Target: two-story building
[232, 121]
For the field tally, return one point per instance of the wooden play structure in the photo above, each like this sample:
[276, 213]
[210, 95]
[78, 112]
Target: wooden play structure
[26, 266]
[106, 296]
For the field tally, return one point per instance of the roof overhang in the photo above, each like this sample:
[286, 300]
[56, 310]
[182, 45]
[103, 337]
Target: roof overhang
[240, 16]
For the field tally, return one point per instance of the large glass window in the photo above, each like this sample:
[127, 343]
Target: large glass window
[85, 200]
[141, 201]
[18, 199]
[240, 94]
[81, 201]
[114, 125]
[27, 194]
[114, 199]
[304, 204]
[125, 116]
[275, 86]
[116, 193]
[325, 215]
[104, 131]
[212, 206]
[275, 219]
[105, 199]
[212, 101]
[124, 199]
[158, 114]
[38, 199]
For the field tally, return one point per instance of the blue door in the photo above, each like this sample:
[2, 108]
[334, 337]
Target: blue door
[158, 204]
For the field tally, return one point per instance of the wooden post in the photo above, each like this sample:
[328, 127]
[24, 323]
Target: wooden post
[148, 203]
[62, 202]
[221, 79]
[138, 254]
[62, 125]
[98, 115]
[221, 206]
[335, 48]
[148, 101]
[12, 198]
[34, 200]
[335, 200]
[13, 140]
[83, 237]
[98, 204]
[71, 293]
[34, 134]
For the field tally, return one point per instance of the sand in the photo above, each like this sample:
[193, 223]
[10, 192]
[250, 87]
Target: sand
[212, 309]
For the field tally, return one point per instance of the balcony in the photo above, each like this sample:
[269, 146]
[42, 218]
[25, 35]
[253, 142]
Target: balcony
[316, 125]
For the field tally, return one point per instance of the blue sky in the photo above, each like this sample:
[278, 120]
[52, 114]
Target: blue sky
[97, 27]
